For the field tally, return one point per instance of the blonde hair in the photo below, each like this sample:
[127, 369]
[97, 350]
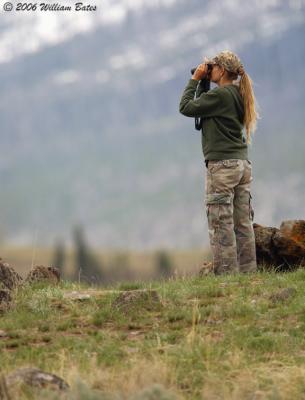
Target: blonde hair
[251, 114]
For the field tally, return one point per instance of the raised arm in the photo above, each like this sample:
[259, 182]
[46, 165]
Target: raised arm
[207, 105]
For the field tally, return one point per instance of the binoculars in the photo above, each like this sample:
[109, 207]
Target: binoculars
[209, 69]
[203, 87]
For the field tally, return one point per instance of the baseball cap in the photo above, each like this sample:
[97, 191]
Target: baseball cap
[227, 59]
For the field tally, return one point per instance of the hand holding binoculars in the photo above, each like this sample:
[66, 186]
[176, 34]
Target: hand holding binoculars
[204, 70]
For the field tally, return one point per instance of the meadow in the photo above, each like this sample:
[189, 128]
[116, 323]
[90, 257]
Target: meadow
[214, 337]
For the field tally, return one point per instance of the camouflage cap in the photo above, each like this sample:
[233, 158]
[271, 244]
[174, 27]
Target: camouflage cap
[228, 60]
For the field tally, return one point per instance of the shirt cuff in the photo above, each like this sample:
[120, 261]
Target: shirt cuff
[193, 81]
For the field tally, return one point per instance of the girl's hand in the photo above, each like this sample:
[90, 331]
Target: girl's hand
[200, 72]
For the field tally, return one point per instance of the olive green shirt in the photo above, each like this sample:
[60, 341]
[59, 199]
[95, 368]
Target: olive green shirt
[222, 111]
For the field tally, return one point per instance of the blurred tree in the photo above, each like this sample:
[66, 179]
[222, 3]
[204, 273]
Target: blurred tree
[120, 267]
[87, 267]
[164, 265]
[59, 256]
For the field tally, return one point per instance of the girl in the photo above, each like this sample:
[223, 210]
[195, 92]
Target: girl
[226, 110]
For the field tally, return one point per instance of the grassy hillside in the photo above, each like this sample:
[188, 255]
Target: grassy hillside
[209, 338]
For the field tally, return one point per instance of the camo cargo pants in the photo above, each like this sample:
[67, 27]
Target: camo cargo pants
[230, 215]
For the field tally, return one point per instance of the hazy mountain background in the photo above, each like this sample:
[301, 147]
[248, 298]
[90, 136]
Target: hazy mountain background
[90, 128]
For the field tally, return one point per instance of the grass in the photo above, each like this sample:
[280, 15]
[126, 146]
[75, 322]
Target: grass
[217, 337]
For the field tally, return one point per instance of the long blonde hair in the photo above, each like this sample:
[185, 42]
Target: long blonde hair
[251, 114]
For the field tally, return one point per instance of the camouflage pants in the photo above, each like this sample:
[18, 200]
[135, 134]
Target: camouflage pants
[230, 215]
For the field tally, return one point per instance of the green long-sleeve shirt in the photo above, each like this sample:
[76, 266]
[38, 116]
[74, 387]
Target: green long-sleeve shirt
[223, 113]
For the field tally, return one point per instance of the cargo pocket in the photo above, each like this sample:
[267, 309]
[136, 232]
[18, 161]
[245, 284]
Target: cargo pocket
[219, 213]
[214, 166]
[251, 211]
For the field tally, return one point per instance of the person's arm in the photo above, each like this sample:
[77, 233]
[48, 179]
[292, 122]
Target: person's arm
[207, 105]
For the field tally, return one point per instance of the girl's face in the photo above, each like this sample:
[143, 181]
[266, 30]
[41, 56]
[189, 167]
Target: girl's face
[217, 73]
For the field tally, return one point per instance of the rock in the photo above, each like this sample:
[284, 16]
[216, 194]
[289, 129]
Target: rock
[5, 296]
[206, 268]
[78, 296]
[36, 378]
[295, 230]
[282, 249]
[9, 279]
[289, 242]
[4, 394]
[148, 299]
[5, 300]
[40, 273]
[264, 245]
[282, 295]
[155, 392]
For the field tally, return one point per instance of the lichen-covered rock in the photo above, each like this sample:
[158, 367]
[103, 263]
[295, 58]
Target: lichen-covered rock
[9, 279]
[44, 274]
[36, 378]
[5, 301]
[5, 296]
[130, 299]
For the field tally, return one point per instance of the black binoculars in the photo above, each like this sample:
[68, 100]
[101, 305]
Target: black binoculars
[203, 87]
[209, 69]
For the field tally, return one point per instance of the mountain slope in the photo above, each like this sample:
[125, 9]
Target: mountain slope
[98, 138]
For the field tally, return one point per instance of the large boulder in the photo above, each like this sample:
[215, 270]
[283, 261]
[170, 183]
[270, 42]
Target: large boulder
[283, 248]
[5, 300]
[9, 279]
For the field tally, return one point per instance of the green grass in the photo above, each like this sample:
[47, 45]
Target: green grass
[214, 337]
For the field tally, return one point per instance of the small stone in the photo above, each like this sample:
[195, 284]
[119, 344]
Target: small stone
[36, 378]
[154, 392]
[77, 296]
[282, 295]
[4, 394]
[41, 273]
[206, 268]
[129, 299]
[3, 334]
